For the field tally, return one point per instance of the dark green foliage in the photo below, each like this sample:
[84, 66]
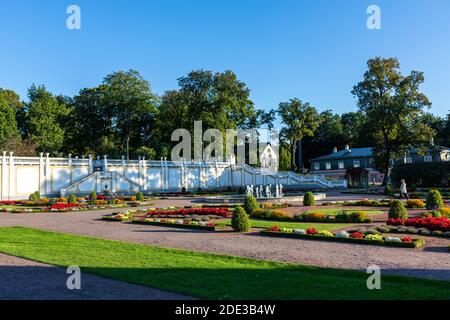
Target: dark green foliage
[398, 210]
[434, 200]
[72, 199]
[388, 190]
[240, 221]
[434, 174]
[33, 197]
[308, 199]
[251, 205]
[139, 196]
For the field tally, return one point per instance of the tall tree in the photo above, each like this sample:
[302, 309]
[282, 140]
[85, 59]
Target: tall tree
[8, 123]
[393, 104]
[43, 119]
[300, 120]
[132, 105]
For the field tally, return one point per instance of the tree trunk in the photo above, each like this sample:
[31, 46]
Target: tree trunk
[293, 152]
[128, 147]
[299, 156]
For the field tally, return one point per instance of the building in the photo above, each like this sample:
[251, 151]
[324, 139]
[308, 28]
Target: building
[335, 164]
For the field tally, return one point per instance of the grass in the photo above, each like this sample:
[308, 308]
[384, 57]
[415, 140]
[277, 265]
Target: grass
[335, 211]
[293, 225]
[207, 275]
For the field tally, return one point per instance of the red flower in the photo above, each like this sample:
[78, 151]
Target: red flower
[62, 206]
[407, 239]
[274, 229]
[357, 235]
[312, 231]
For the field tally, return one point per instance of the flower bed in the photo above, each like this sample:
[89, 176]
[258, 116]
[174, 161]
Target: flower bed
[63, 206]
[223, 212]
[185, 224]
[432, 224]
[356, 237]
[121, 216]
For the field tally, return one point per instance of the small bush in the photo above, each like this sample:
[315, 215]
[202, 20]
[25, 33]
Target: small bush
[133, 198]
[415, 204]
[183, 190]
[259, 213]
[62, 200]
[240, 221]
[139, 196]
[267, 205]
[241, 190]
[93, 196]
[388, 190]
[359, 216]
[38, 195]
[434, 200]
[308, 199]
[445, 212]
[250, 205]
[342, 216]
[279, 214]
[100, 202]
[398, 210]
[313, 216]
[72, 199]
[33, 198]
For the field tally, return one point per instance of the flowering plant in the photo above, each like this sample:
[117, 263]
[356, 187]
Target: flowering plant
[224, 212]
[357, 235]
[62, 206]
[325, 233]
[312, 231]
[274, 229]
[375, 237]
[407, 239]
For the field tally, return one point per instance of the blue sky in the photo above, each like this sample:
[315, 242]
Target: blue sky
[315, 50]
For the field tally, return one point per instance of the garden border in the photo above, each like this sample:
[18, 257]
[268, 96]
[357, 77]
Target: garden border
[417, 243]
[180, 226]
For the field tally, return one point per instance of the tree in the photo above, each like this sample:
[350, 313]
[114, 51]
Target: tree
[43, 120]
[393, 104]
[8, 124]
[300, 120]
[127, 98]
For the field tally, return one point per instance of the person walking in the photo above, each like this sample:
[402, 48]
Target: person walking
[403, 190]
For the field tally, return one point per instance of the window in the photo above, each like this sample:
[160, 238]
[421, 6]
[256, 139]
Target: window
[428, 158]
[316, 166]
[408, 160]
[371, 163]
[356, 163]
[328, 165]
[341, 165]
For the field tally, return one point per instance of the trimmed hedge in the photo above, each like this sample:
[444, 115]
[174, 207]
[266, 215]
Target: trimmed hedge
[308, 199]
[398, 210]
[434, 200]
[433, 174]
[417, 243]
[250, 205]
[240, 221]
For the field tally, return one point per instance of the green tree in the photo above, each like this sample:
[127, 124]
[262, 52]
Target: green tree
[128, 99]
[43, 119]
[8, 123]
[300, 120]
[393, 104]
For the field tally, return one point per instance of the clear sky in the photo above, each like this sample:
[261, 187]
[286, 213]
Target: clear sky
[315, 50]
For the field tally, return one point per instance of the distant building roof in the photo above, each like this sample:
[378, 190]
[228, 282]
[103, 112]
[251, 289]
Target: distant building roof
[347, 153]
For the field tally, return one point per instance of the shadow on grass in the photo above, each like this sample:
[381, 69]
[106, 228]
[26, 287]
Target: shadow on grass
[290, 283]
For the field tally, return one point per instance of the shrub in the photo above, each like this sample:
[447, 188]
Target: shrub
[32, 197]
[241, 190]
[325, 233]
[62, 200]
[250, 205]
[100, 202]
[133, 198]
[38, 195]
[260, 213]
[140, 196]
[267, 205]
[342, 216]
[313, 217]
[434, 200]
[357, 235]
[312, 231]
[359, 216]
[445, 212]
[308, 199]
[279, 214]
[398, 210]
[240, 221]
[388, 190]
[415, 204]
[93, 196]
[72, 199]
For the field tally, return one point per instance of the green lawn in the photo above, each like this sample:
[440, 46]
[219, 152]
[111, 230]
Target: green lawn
[335, 211]
[293, 225]
[207, 275]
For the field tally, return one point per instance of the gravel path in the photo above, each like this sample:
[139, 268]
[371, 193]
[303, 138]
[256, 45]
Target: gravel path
[28, 280]
[432, 262]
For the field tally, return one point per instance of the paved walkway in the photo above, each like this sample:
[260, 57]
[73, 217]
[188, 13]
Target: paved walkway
[433, 262]
[28, 280]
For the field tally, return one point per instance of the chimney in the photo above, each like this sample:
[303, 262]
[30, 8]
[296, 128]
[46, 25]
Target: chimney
[334, 150]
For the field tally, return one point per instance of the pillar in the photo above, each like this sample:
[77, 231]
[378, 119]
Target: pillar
[4, 181]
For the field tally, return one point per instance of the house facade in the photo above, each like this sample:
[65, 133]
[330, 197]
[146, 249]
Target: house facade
[335, 164]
